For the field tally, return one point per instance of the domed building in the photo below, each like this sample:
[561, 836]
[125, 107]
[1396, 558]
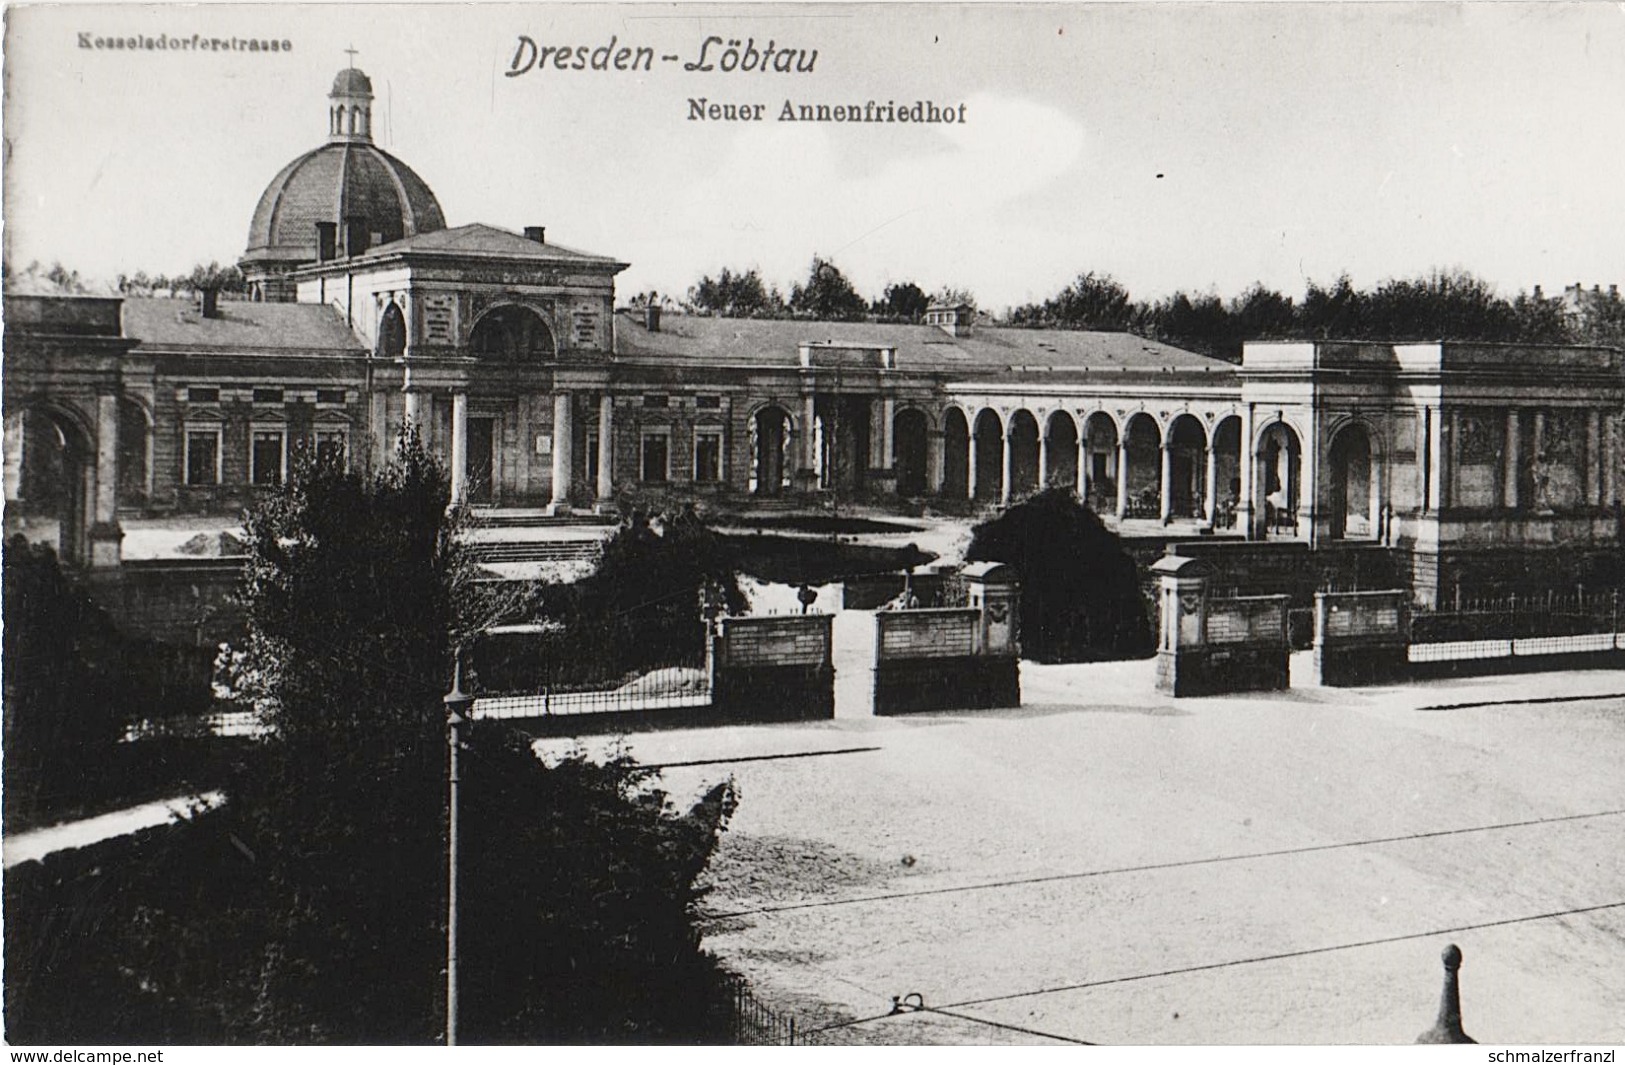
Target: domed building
[1459, 462]
[339, 199]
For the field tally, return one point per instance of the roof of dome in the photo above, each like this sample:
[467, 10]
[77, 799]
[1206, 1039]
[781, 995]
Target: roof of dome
[334, 182]
[351, 80]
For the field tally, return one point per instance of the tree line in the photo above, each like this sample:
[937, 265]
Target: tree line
[1441, 305]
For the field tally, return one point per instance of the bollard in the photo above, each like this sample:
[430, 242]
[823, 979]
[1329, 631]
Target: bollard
[1447, 1029]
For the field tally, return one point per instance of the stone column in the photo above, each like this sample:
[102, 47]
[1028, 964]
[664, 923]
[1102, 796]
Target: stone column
[1165, 505]
[1452, 452]
[1083, 464]
[809, 437]
[1043, 457]
[1512, 464]
[1593, 484]
[459, 448]
[888, 426]
[414, 415]
[1004, 468]
[1247, 472]
[14, 455]
[1537, 447]
[105, 534]
[970, 462]
[378, 417]
[1210, 485]
[1610, 458]
[1122, 477]
[935, 446]
[1435, 459]
[562, 464]
[605, 488]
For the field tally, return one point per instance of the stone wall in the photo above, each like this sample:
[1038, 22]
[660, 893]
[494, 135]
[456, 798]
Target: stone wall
[1362, 637]
[773, 669]
[933, 660]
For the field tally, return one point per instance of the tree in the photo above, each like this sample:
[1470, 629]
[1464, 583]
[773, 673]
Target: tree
[1092, 301]
[356, 590]
[1080, 592]
[904, 301]
[62, 705]
[827, 295]
[734, 295]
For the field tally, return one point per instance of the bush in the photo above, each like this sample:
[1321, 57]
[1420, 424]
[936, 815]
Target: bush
[1080, 591]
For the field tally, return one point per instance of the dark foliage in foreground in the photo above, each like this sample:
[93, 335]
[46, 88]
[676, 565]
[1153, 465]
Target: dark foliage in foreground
[73, 683]
[1080, 597]
[644, 607]
[312, 907]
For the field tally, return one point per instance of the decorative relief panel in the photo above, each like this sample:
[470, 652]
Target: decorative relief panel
[1478, 440]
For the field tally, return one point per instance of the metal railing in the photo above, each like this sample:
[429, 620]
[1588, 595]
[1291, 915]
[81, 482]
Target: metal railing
[1513, 617]
[662, 689]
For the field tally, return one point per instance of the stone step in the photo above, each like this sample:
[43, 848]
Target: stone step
[536, 551]
[531, 518]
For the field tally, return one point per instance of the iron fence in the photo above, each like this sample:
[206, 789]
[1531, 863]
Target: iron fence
[1515, 617]
[668, 688]
[752, 1022]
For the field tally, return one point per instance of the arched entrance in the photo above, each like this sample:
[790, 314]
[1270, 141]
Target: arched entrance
[1280, 471]
[989, 447]
[1226, 472]
[910, 443]
[1143, 478]
[769, 451]
[512, 333]
[134, 453]
[1187, 460]
[56, 483]
[1023, 454]
[1100, 462]
[1061, 451]
[1353, 503]
[955, 454]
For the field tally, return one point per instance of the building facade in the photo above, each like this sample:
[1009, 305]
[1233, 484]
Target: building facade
[508, 354]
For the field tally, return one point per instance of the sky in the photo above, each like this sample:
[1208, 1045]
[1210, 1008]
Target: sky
[1201, 147]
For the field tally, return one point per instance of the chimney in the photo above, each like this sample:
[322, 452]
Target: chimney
[536, 233]
[651, 317]
[1613, 292]
[327, 241]
[211, 302]
[1539, 295]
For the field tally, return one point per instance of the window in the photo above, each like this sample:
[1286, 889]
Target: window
[330, 446]
[708, 455]
[203, 395]
[330, 396]
[656, 454]
[708, 402]
[267, 395]
[266, 457]
[592, 456]
[203, 455]
[654, 401]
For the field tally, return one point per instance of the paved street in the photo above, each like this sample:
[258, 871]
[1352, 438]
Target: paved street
[1107, 865]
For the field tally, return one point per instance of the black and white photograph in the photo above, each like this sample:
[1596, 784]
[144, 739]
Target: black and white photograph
[814, 524]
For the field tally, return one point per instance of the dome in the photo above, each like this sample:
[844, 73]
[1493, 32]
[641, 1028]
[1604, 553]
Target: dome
[351, 81]
[333, 183]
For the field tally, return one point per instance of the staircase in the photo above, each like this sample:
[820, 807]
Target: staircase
[532, 535]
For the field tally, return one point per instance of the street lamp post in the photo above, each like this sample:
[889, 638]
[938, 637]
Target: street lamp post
[458, 705]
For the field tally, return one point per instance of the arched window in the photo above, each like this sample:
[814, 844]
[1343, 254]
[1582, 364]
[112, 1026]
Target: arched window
[512, 333]
[392, 333]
